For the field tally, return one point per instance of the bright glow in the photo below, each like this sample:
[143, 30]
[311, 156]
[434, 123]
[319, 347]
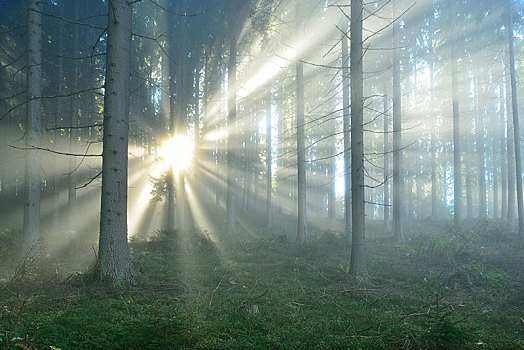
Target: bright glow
[177, 153]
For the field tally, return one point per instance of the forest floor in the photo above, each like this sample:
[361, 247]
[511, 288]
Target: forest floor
[442, 289]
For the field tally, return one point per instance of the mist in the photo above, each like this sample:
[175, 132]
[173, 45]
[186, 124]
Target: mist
[261, 173]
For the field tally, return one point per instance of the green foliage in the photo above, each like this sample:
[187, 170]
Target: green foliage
[196, 293]
[159, 191]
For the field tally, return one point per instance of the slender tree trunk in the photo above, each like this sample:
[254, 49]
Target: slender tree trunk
[503, 156]
[386, 162]
[196, 150]
[457, 163]
[72, 205]
[516, 127]
[433, 145]
[31, 225]
[347, 132]
[398, 233]
[419, 181]
[357, 265]
[511, 157]
[58, 122]
[269, 159]
[468, 148]
[302, 232]
[495, 175]
[182, 86]
[331, 174]
[114, 264]
[170, 180]
[231, 142]
[479, 132]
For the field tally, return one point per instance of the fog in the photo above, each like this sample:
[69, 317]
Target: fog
[271, 131]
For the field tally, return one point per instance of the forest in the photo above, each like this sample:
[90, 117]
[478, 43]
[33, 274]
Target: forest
[266, 174]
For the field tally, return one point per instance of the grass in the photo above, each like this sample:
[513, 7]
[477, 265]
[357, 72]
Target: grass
[441, 290]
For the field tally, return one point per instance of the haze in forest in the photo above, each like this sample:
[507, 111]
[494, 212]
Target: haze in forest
[125, 123]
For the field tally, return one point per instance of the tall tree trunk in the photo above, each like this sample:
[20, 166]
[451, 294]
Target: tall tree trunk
[479, 132]
[468, 151]
[331, 174]
[302, 232]
[196, 148]
[357, 265]
[494, 172]
[114, 264]
[170, 180]
[433, 144]
[503, 155]
[231, 142]
[180, 130]
[386, 162]
[516, 127]
[398, 233]
[457, 163]
[510, 217]
[31, 225]
[347, 131]
[72, 205]
[58, 122]
[269, 159]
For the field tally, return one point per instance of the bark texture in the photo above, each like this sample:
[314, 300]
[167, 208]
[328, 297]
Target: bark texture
[358, 253]
[231, 143]
[347, 127]
[457, 162]
[114, 265]
[516, 128]
[33, 128]
[398, 182]
[302, 232]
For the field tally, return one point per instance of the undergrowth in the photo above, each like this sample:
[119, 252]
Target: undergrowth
[453, 290]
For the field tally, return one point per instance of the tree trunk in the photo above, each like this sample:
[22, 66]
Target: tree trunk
[357, 266]
[347, 132]
[510, 217]
[398, 233]
[72, 205]
[31, 226]
[468, 160]
[495, 175]
[269, 159]
[170, 180]
[479, 132]
[457, 163]
[433, 145]
[503, 156]
[58, 122]
[386, 162]
[302, 232]
[231, 142]
[516, 128]
[114, 264]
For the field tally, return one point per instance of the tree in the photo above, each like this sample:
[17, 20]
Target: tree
[358, 255]
[347, 133]
[457, 162]
[302, 232]
[33, 128]
[114, 264]
[516, 128]
[269, 179]
[231, 142]
[398, 233]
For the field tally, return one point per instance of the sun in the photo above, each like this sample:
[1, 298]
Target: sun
[177, 153]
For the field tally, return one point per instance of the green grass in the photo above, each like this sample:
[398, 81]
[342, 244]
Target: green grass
[450, 290]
